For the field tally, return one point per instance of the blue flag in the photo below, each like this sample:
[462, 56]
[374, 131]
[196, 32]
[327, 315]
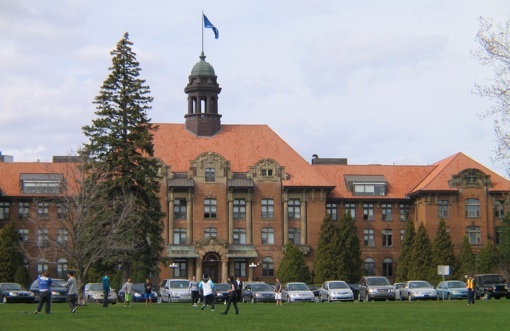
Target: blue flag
[208, 24]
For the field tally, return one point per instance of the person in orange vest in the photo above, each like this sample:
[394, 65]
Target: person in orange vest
[471, 290]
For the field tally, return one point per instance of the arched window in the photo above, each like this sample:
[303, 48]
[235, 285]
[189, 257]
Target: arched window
[42, 265]
[62, 267]
[387, 267]
[267, 267]
[369, 267]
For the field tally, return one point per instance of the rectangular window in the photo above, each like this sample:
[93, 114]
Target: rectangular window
[387, 238]
[472, 208]
[442, 208]
[179, 236]
[499, 208]
[240, 268]
[350, 208]
[62, 211]
[294, 209]
[474, 235]
[210, 175]
[4, 210]
[23, 234]
[332, 210]
[181, 270]
[266, 172]
[63, 237]
[42, 238]
[23, 210]
[267, 236]
[402, 234]
[210, 232]
[267, 208]
[210, 208]
[240, 236]
[368, 237]
[368, 211]
[43, 211]
[267, 267]
[295, 236]
[404, 212]
[386, 212]
[179, 209]
[239, 209]
[41, 183]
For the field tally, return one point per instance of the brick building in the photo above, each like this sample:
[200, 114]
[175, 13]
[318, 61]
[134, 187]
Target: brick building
[234, 195]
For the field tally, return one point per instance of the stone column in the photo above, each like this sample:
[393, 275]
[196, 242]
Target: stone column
[171, 217]
[249, 226]
[224, 271]
[230, 217]
[303, 223]
[189, 219]
[285, 220]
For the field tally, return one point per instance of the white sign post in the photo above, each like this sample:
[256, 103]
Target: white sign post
[443, 270]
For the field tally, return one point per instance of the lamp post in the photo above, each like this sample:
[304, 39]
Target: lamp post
[252, 267]
[173, 266]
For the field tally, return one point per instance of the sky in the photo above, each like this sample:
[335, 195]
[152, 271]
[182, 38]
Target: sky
[373, 81]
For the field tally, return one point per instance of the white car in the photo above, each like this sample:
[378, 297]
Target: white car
[418, 290]
[174, 290]
[335, 290]
[94, 293]
[295, 292]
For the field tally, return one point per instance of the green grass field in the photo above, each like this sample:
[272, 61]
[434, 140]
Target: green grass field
[433, 315]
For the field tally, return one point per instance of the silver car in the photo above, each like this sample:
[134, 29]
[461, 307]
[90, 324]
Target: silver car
[418, 290]
[335, 290]
[174, 290]
[452, 289]
[93, 292]
[295, 292]
[375, 288]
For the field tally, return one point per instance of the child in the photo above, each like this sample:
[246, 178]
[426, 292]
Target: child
[128, 292]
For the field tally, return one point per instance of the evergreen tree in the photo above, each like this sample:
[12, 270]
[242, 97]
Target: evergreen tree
[120, 146]
[293, 267]
[404, 259]
[326, 264]
[487, 259]
[504, 242]
[11, 258]
[466, 258]
[349, 251]
[443, 250]
[422, 262]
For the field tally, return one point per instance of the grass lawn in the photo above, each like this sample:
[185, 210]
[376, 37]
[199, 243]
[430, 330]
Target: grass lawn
[431, 315]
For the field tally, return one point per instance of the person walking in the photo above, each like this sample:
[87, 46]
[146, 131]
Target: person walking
[193, 289]
[72, 293]
[147, 292]
[471, 290]
[232, 298]
[208, 290]
[106, 289]
[128, 292]
[239, 288]
[278, 292]
[44, 283]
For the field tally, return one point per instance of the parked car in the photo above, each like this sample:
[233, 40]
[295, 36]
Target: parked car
[417, 290]
[14, 292]
[257, 292]
[489, 286]
[451, 289]
[138, 293]
[174, 290]
[93, 292]
[58, 290]
[335, 290]
[294, 292]
[397, 287]
[221, 293]
[375, 288]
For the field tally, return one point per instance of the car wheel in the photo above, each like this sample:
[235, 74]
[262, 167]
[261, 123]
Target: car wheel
[253, 300]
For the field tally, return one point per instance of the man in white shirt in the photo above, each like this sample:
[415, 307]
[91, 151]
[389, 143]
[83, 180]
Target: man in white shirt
[207, 287]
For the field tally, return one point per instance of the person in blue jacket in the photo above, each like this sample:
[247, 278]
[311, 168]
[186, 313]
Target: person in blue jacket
[106, 289]
[44, 282]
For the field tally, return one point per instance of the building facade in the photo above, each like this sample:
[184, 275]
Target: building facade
[234, 195]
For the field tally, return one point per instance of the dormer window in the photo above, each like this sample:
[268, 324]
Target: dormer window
[210, 175]
[366, 185]
[266, 172]
[41, 183]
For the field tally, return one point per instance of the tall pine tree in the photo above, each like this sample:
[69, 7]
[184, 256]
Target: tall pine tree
[406, 247]
[349, 251]
[466, 258]
[326, 264]
[443, 250]
[487, 259]
[504, 242]
[293, 267]
[11, 258]
[120, 145]
[422, 262]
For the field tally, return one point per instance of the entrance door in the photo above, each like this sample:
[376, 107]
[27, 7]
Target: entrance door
[210, 266]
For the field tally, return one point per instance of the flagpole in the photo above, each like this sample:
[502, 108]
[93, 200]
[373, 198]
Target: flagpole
[202, 32]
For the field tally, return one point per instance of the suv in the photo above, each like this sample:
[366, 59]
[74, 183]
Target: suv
[174, 290]
[375, 288]
[490, 286]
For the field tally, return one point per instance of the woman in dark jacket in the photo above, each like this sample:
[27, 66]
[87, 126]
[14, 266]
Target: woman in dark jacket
[232, 295]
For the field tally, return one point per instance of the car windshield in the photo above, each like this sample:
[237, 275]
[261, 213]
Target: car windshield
[261, 287]
[95, 287]
[456, 284]
[179, 284]
[58, 283]
[377, 281]
[12, 287]
[138, 287]
[221, 287]
[419, 285]
[298, 287]
[337, 285]
[494, 279]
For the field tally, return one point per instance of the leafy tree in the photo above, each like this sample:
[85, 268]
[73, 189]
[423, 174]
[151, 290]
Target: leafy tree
[404, 259]
[325, 265]
[293, 267]
[422, 262]
[494, 51]
[487, 259]
[12, 267]
[349, 251]
[504, 242]
[120, 147]
[443, 249]
[466, 258]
